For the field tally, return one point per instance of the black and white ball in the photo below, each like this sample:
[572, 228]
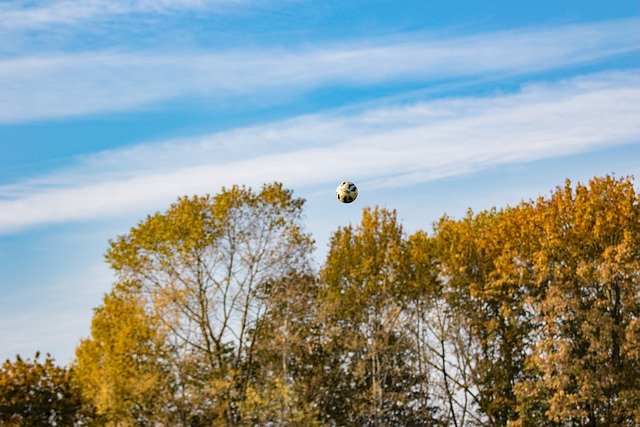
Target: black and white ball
[347, 192]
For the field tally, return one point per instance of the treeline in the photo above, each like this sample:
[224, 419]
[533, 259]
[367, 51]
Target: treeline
[522, 316]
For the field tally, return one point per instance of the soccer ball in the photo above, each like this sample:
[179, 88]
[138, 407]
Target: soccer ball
[347, 192]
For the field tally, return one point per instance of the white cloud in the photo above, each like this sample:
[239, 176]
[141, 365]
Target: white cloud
[63, 85]
[20, 14]
[412, 143]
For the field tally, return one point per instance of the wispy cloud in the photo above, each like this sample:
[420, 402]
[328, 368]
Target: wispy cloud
[20, 14]
[412, 143]
[31, 26]
[62, 85]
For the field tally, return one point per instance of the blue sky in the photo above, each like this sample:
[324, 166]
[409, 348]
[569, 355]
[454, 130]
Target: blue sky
[110, 110]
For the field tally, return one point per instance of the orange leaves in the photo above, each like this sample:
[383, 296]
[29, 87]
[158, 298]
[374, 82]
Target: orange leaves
[552, 286]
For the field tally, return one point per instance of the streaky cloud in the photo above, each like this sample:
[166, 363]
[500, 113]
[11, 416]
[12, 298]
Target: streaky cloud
[416, 143]
[32, 15]
[54, 86]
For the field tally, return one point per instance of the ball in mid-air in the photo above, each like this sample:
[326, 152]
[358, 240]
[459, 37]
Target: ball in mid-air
[347, 192]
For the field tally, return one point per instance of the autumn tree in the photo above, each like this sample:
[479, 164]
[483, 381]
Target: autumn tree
[520, 316]
[35, 393]
[439, 342]
[374, 377]
[123, 366]
[485, 290]
[283, 388]
[585, 364]
[546, 297]
[204, 268]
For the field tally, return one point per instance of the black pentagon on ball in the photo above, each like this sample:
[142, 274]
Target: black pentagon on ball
[347, 192]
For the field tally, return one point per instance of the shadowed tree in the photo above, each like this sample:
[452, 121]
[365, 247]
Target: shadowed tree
[34, 393]
[440, 343]
[282, 389]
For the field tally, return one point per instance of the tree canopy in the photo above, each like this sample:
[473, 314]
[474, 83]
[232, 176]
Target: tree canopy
[526, 315]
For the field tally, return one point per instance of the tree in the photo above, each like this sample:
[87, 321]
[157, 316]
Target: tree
[547, 297]
[522, 316]
[283, 389]
[585, 364]
[40, 394]
[123, 364]
[374, 377]
[439, 342]
[204, 269]
[486, 282]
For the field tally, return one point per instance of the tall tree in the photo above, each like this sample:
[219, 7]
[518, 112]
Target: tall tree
[547, 294]
[283, 388]
[123, 364]
[439, 342]
[374, 375]
[204, 268]
[486, 284]
[586, 360]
